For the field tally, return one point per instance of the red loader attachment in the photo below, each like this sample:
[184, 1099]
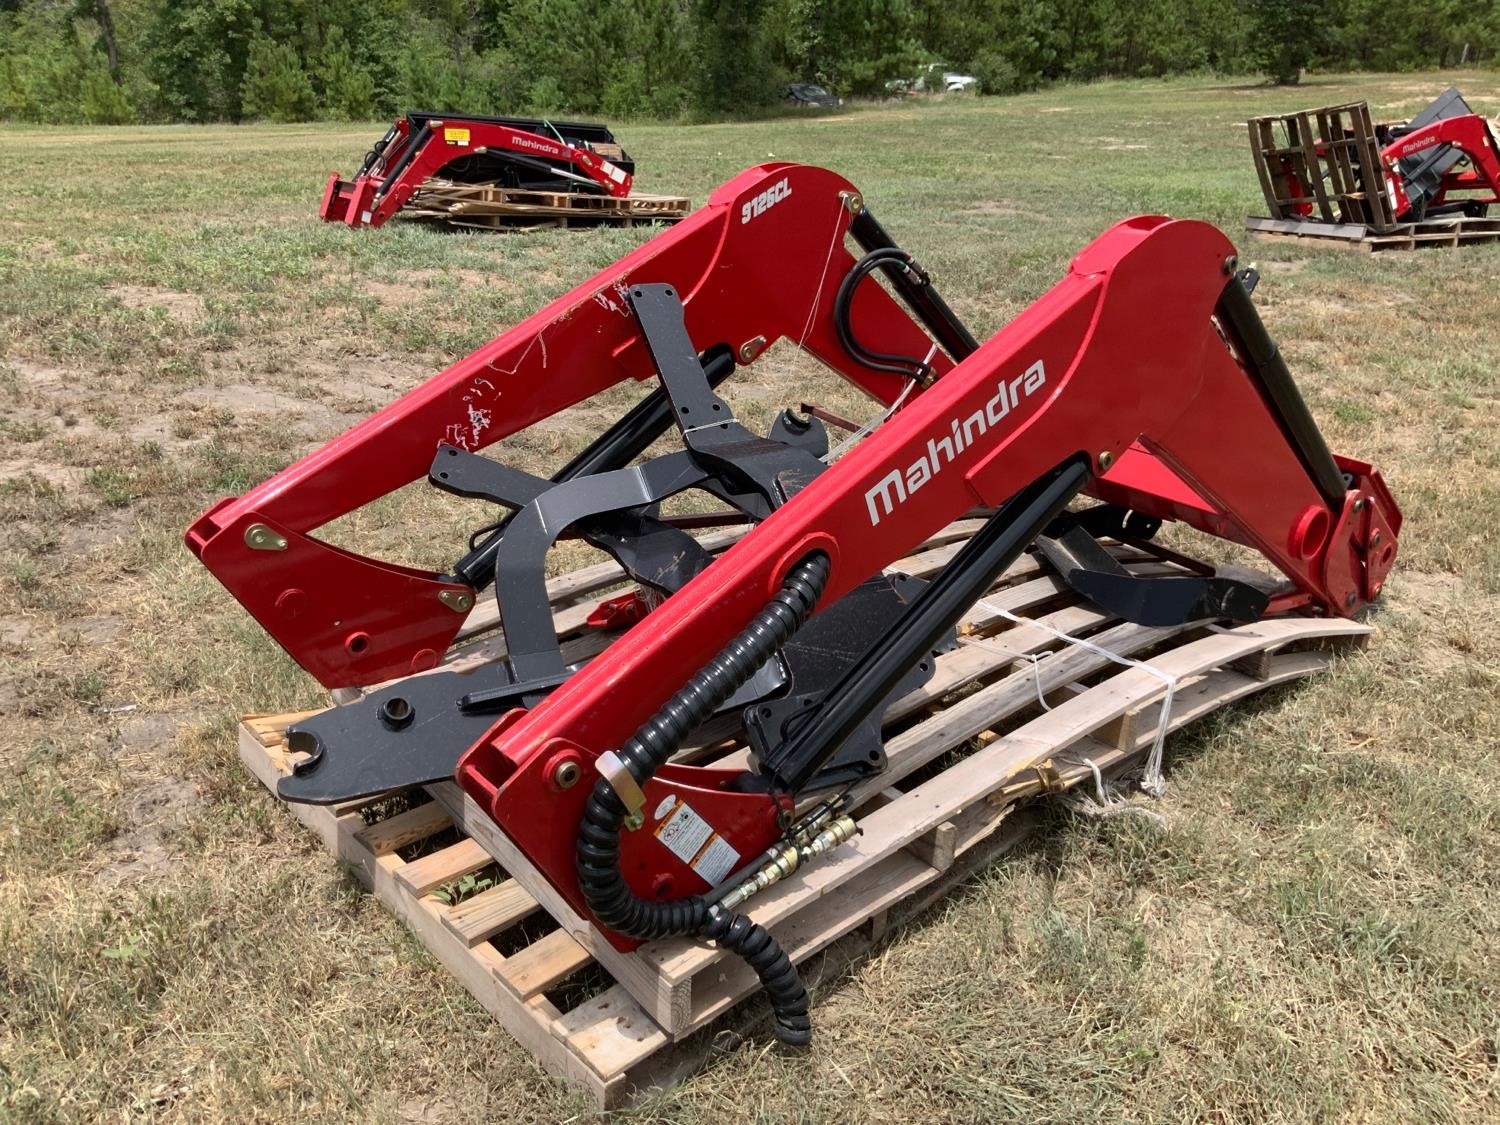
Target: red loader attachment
[1333, 165]
[515, 152]
[1144, 380]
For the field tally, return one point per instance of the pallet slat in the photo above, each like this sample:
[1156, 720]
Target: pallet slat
[425, 875]
[1457, 231]
[492, 910]
[409, 827]
[492, 206]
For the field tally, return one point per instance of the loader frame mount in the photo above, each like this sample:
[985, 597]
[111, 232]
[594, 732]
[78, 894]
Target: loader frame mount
[1144, 379]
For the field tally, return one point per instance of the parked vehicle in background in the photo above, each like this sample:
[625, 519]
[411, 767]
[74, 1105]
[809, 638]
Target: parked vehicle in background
[809, 93]
[933, 79]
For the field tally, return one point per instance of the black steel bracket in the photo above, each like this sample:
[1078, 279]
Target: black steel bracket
[1162, 600]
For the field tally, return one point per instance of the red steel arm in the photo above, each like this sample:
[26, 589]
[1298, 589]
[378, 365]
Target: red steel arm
[383, 189]
[762, 261]
[1470, 134]
[1122, 361]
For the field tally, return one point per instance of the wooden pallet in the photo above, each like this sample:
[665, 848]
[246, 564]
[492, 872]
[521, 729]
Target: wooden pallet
[1457, 230]
[490, 207]
[966, 753]
[1321, 151]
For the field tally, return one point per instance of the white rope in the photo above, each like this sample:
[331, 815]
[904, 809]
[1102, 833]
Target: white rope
[711, 425]
[1033, 657]
[1109, 803]
[812, 308]
[1152, 781]
[869, 427]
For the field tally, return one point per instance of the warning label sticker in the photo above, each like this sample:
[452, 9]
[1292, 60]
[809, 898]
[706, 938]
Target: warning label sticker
[456, 136]
[684, 833]
[716, 861]
[692, 839]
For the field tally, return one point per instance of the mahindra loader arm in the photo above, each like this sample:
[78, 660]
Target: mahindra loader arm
[1426, 166]
[420, 145]
[1144, 379]
[760, 262]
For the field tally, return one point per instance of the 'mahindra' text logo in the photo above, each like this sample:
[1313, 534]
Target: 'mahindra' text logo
[898, 485]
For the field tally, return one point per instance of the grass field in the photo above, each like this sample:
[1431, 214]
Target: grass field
[1317, 935]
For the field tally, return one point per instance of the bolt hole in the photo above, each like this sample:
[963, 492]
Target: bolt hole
[452, 452]
[356, 643]
[874, 755]
[765, 712]
[396, 712]
[684, 410]
[717, 406]
[442, 476]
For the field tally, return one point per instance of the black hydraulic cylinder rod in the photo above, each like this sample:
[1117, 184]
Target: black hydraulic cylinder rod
[922, 624]
[415, 146]
[377, 152]
[924, 300]
[1237, 315]
[615, 448]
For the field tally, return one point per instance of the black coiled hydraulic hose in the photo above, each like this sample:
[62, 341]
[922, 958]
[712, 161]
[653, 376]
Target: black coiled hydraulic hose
[652, 745]
[886, 257]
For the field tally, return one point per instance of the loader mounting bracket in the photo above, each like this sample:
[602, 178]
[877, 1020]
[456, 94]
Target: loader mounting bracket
[1165, 600]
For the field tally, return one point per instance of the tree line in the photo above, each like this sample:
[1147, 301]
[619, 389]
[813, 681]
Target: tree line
[117, 61]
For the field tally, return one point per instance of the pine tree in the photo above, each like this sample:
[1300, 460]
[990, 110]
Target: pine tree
[276, 88]
[348, 89]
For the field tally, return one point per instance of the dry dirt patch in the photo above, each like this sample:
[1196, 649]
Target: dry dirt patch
[142, 851]
[243, 400]
[94, 630]
[43, 378]
[393, 294]
[184, 308]
[16, 632]
[65, 476]
[370, 382]
[1000, 207]
[100, 529]
[154, 732]
[415, 287]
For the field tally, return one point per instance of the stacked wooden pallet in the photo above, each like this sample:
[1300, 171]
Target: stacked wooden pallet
[1314, 159]
[490, 206]
[1012, 714]
[1456, 230]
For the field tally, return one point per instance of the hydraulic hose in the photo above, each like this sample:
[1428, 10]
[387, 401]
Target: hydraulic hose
[599, 877]
[889, 258]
